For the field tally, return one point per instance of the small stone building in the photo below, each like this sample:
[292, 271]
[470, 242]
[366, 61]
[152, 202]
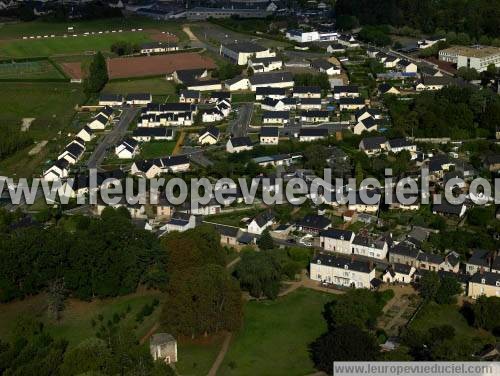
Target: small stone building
[163, 346]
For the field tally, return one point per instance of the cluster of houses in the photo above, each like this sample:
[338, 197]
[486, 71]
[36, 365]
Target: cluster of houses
[74, 151]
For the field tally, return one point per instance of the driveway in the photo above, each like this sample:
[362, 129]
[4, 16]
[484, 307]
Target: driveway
[239, 126]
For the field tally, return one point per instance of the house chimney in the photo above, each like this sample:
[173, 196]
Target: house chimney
[353, 257]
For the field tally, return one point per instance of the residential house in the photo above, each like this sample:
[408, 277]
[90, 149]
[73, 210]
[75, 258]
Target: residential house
[351, 104]
[341, 271]
[73, 152]
[269, 135]
[433, 83]
[479, 261]
[271, 79]
[110, 99]
[306, 92]
[407, 66]
[348, 40]
[265, 64]
[369, 246]
[390, 61]
[189, 96]
[86, 134]
[492, 162]
[336, 240]
[484, 283]
[313, 223]
[98, 123]
[212, 115]
[312, 134]
[276, 117]
[366, 201]
[336, 48]
[385, 88]
[397, 145]
[367, 124]
[261, 222]
[237, 83]
[430, 261]
[180, 222]
[277, 160]
[324, 66]
[138, 99]
[239, 144]
[57, 171]
[209, 136]
[449, 210]
[310, 104]
[399, 273]
[269, 104]
[315, 116]
[373, 145]
[241, 52]
[349, 91]
[404, 253]
[151, 168]
[127, 149]
[269, 92]
[144, 134]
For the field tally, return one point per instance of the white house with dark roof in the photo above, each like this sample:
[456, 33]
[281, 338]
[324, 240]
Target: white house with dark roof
[86, 134]
[399, 273]
[397, 145]
[189, 96]
[269, 92]
[324, 66]
[346, 91]
[57, 171]
[145, 134]
[241, 52]
[261, 222]
[367, 124]
[373, 145]
[269, 136]
[341, 271]
[484, 284]
[276, 117]
[306, 92]
[139, 99]
[111, 100]
[72, 153]
[99, 122]
[312, 134]
[180, 222]
[271, 79]
[315, 116]
[310, 104]
[151, 168]
[351, 104]
[270, 104]
[265, 64]
[212, 115]
[239, 144]
[127, 149]
[480, 260]
[209, 136]
[370, 246]
[336, 240]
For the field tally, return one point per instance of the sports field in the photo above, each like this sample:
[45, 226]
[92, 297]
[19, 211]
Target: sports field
[68, 45]
[24, 70]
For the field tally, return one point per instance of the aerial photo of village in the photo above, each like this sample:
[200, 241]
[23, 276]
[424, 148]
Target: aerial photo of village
[249, 187]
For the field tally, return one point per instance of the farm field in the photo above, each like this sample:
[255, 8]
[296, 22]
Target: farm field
[76, 322]
[273, 331]
[24, 70]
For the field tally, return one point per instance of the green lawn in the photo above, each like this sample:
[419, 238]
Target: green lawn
[156, 149]
[24, 70]
[433, 315]
[233, 218]
[243, 97]
[196, 359]
[156, 86]
[276, 334]
[69, 45]
[51, 105]
[76, 322]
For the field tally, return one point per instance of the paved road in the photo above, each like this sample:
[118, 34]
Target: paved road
[239, 126]
[113, 137]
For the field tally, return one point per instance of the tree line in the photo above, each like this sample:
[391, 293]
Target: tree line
[13, 140]
[99, 258]
[474, 17]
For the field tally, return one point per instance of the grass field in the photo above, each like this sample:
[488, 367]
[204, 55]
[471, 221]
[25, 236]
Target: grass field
[196, 358]
[156, 86]
[276, 334]
[42, 69]
[69, 45]
[20, 29]
[433, 315]
[52, 107]
[75, 325]
[233, 218]
[156, 149]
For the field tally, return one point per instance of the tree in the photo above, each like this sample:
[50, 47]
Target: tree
[97, 75]
[468, 74]
[429, 285]
[259, 273]
[449, 288]
[486, 313]
[201, 301]
[90, 355]
[56, 297]
[345, 343]
[265, 241]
